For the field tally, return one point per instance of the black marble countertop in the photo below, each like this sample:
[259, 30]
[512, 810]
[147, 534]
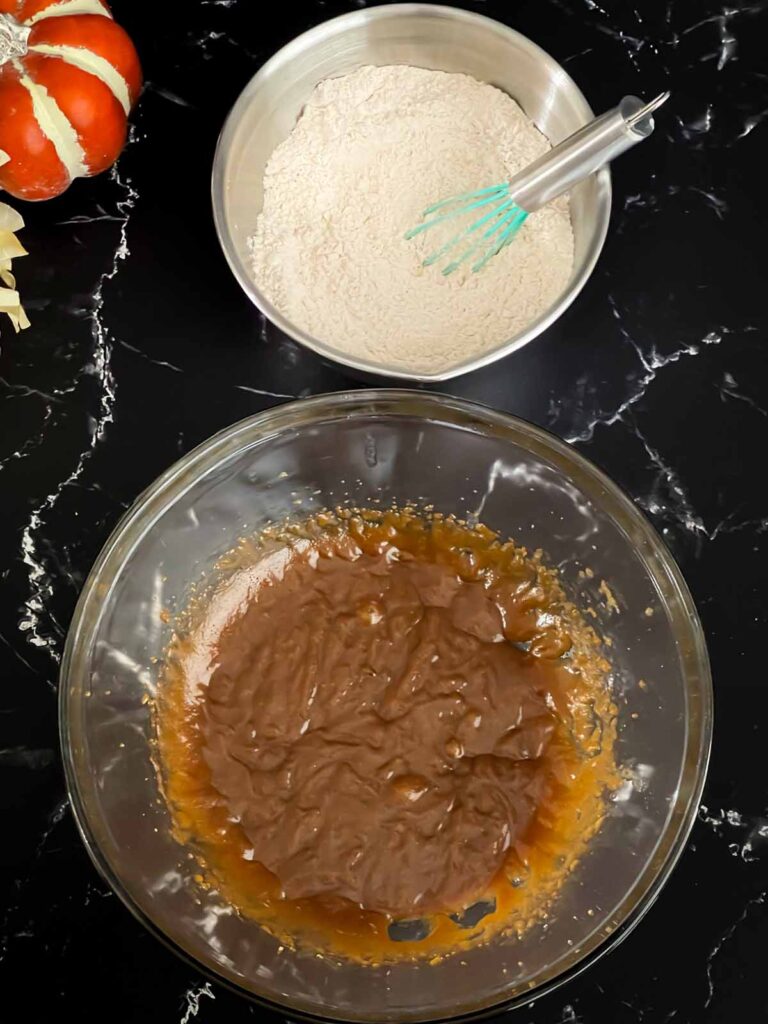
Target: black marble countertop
[142, 345]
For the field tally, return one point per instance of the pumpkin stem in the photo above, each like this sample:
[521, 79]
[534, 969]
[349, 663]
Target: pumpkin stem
[13, 38]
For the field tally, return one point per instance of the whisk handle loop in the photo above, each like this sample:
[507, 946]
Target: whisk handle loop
[584, 152]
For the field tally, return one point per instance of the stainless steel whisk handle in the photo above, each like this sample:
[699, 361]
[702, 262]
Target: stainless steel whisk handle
[584, 152]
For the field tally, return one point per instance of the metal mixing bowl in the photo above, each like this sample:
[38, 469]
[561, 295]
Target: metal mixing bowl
[439, 38]
[386, 446]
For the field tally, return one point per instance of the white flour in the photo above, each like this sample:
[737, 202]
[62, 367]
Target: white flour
[370, 151]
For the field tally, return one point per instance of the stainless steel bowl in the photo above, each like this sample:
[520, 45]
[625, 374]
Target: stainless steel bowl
[439, 38]
[385, 446]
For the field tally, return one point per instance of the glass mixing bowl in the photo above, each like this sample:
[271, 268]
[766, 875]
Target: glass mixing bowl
[363, 447]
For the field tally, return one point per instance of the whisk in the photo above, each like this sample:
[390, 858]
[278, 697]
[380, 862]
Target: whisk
[510, 203]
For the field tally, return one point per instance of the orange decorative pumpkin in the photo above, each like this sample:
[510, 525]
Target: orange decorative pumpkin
[68, 79]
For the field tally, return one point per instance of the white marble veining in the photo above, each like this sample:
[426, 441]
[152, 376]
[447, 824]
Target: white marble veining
[756, 901]
[192, 999]
[265, 394]
[40, 585]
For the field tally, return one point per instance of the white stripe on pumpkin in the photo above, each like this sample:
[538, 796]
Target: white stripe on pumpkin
[55, 125]
[88, 61]
[69, 7]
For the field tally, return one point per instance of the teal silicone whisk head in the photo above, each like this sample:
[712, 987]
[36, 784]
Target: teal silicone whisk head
[488, 234]
[503, 208]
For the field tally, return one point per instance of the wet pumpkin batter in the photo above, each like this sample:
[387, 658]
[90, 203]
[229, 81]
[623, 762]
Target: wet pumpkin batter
[382, 718]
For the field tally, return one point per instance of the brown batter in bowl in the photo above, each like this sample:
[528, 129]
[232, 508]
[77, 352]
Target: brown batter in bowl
[382, 717]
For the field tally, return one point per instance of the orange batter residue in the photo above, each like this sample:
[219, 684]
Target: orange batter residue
[386, 734]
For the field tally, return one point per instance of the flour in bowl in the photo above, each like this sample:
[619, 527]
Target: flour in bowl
[370, 151]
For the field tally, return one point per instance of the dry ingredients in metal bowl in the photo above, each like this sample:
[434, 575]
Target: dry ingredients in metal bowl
[370, 151]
